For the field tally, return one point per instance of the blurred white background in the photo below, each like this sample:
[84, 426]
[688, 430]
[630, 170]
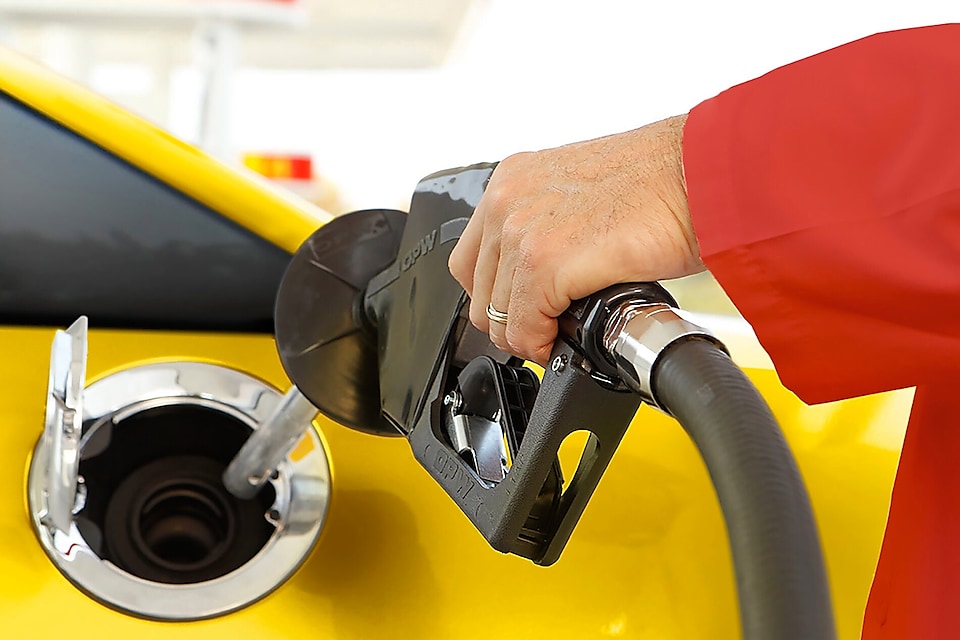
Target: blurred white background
[382, 92]
[529, 74]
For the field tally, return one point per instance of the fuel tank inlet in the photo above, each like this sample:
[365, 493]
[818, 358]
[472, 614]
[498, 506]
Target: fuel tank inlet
[126, 494]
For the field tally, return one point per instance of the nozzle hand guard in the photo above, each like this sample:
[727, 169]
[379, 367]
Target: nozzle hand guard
[527, 512]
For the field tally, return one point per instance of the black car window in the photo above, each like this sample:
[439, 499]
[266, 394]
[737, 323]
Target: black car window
[85, 233]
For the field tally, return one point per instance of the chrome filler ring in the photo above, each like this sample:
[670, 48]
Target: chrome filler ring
[301, 485]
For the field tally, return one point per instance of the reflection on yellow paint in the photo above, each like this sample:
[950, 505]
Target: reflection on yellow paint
[301, 450]
[615, 628]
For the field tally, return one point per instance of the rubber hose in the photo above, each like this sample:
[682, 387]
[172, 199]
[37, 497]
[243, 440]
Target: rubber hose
[781, 580]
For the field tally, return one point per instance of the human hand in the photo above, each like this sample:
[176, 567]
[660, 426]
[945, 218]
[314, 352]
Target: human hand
[560, 224]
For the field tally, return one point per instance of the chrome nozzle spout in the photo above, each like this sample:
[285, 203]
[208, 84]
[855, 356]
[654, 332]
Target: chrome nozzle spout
[267, 446]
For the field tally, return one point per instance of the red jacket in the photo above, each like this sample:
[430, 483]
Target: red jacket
[826, 199]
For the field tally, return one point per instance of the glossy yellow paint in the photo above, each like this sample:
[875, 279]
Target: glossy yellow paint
[397, 559]
[240, 195]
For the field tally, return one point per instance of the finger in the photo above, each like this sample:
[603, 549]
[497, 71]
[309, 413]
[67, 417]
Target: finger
[485, 267]
[484, 276]
[536, 300]
[463, 258]
[500, 299]
[498, 328]
[502, 284]
[533, 327]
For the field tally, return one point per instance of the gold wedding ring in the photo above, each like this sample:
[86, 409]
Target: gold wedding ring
[496, 316]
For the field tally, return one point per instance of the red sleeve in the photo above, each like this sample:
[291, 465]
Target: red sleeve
[826, 199]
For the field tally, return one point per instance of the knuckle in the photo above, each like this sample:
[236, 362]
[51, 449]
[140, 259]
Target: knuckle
[512, 233]
[523, 344]
[496, 199]
[533, 253]
[478, 317]
[518, 336]
[500, 342]
[511, 163]
[516, 344]
[456, 263]
[505, 183]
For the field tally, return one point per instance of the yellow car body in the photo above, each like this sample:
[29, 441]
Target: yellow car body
[396, 558]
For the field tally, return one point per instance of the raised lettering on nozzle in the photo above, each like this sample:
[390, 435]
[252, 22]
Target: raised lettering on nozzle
[422, 248]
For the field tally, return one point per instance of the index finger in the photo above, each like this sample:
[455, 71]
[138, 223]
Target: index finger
[463, 259]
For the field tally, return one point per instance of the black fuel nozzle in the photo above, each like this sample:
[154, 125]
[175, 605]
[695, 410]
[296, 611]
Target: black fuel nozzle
[373, 330]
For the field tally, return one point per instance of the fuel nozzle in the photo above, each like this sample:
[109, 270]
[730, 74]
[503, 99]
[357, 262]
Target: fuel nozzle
[373, 331]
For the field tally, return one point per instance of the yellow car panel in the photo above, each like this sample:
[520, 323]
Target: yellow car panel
[396, 558]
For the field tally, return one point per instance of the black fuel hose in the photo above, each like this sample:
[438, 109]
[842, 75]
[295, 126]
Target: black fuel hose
[781, 581]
